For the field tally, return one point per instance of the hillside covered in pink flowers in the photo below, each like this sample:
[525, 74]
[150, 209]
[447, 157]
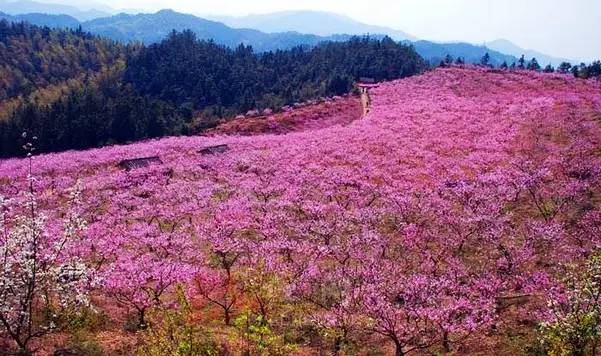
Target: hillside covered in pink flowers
[446, 220]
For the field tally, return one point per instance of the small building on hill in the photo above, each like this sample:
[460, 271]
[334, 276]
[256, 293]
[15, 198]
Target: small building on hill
[135, 163]
[212, 150]
[364, 84]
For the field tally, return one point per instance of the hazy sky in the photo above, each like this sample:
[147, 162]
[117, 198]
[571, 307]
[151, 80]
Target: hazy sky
[565, 28]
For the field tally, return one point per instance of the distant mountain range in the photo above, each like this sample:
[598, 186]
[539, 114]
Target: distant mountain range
[54, 21]
[314, 22]
[21, 7]
[435, 52]
[279, 30]
[508, 47]
[151, 28]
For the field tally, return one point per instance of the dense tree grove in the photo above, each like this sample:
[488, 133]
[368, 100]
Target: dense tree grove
[183, 70]
[587, 71]
[33, 57]
[179, 86]
[102, 111]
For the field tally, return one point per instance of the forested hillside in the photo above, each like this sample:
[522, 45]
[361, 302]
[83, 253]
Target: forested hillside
[34, 57]
[183, 70]
[73, 90]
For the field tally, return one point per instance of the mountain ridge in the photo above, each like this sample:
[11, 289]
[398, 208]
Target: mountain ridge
[23, 7]
[508, 47]
[320, 23]
[40, 19]
[152, 28]
[143, 28]
[309, 25]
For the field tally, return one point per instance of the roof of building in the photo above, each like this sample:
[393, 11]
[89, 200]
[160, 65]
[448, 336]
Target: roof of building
[129, 164]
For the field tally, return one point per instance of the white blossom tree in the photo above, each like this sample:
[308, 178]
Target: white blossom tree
[41, 274]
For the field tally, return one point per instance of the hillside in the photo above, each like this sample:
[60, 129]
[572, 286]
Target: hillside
[312, 115]
[417, 226]
[33, 58]
[179, 70]
[82, 91]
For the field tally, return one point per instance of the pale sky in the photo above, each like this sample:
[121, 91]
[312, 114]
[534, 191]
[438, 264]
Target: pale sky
[570, 29]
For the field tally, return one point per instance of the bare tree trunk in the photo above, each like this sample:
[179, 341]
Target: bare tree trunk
[226, 316]
[398, 349]
[446, 344]
[142, 319]
[23, 350]
[337, 346]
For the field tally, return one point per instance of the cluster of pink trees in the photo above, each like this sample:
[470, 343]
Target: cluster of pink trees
[462, 189]
[311, 116]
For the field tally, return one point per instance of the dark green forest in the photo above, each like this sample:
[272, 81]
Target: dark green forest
[98, 92]
[34, 57]
[184, 71]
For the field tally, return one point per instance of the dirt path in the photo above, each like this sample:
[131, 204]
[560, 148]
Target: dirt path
[365, 102]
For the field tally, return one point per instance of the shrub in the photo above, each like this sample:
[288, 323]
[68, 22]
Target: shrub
[259, 338]
[82, 343]
[172, 332]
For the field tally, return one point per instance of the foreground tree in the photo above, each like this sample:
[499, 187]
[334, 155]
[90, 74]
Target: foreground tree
[42, 276]
[225, 236]
[173, 331]
[142, 273]
[574, 327]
